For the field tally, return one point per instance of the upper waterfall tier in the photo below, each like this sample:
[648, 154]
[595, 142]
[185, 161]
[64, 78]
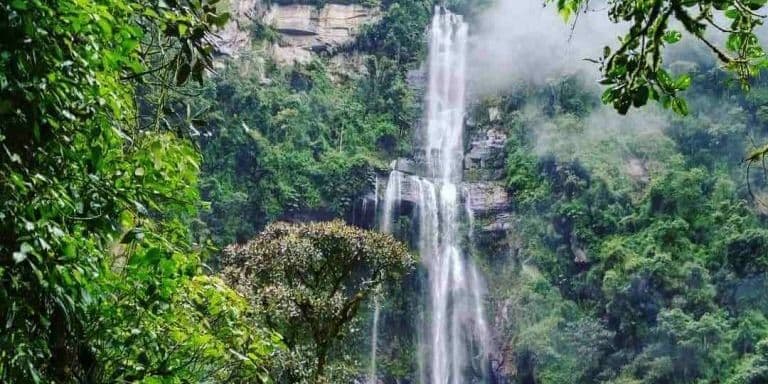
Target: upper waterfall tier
[445, 96]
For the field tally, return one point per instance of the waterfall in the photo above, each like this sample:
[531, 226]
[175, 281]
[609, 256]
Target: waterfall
[374, 338]
[391, 198]
[376, 306]
[483, 337]
[454, 343]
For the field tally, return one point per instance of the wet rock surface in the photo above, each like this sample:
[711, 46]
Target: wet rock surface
[487, 197]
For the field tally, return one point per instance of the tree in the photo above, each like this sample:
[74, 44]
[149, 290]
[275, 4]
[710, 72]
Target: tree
[754, 369]
[310, 279]
[95, 258]
[634, 71]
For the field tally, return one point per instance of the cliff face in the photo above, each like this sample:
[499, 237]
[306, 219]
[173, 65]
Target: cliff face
[493, 237]
[236, 35]
[484, 172]
[495, 233]
[306, 29]
[303, 29]
[589, 230]
[483, 187]
[304, 32]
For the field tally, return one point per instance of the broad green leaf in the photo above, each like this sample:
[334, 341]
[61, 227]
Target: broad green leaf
[679, 106]
[20, 5]
[641, 96]
[683, 82]
[672, 36]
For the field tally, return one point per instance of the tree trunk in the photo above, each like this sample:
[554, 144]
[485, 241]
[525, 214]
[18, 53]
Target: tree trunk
[61, 355]
[322, 353]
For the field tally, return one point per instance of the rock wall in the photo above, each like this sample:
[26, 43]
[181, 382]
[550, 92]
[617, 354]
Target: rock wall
[306, 29]
[303, 29]
[236, 35]
[483, 186]
[495, 231]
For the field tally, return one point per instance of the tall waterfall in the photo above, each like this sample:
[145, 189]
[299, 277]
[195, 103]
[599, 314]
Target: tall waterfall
[454, 337]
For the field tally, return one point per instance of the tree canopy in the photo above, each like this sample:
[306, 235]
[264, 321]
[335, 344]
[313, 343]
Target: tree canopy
[98, 279]
[310, 279]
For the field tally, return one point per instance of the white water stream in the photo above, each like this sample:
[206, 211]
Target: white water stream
[454, 340]
[374, 338]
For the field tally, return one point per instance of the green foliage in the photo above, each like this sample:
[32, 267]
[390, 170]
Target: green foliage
[753, 369]
[647, 243]
[283, 141]
[298, 142]
[686, 349]
[309, 281]
[522, 177]
[554, 342]
[98, 281]
[399, 35]
[384, 91]
[180, 327]
[634, 72]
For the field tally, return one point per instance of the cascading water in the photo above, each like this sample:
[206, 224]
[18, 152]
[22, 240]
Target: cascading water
[376, 309]
[454, 339]
[374, 338]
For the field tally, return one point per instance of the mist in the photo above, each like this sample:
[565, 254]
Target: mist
[524, 40]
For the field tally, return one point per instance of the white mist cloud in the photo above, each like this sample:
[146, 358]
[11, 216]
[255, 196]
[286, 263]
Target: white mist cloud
[524, 40]
[518, 40]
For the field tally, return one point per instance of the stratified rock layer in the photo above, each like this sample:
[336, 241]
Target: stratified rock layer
[306, 28]
[303, 29]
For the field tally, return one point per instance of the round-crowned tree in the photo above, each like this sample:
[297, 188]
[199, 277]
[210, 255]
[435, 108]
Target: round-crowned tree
[310, 279]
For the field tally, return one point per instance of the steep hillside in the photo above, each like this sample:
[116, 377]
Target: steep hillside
[634, 248]
[295, 122]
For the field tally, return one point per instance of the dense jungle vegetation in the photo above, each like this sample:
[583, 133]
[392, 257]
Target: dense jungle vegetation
[641, 254]
[141, 176]
[105, 222]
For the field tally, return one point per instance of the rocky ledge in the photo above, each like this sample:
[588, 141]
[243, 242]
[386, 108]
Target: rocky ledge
[305, 29]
